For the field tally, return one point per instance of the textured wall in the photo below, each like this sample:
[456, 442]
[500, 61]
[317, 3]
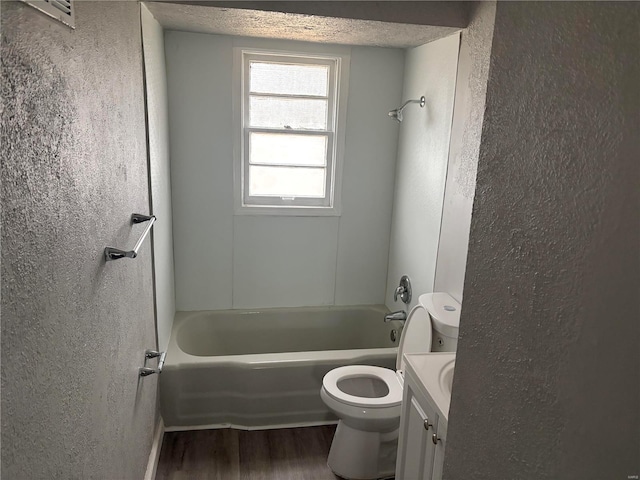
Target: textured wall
[159, 174]
[423, 149]
[225, 261]
[546, 383]
[468, 112]
[74, 168]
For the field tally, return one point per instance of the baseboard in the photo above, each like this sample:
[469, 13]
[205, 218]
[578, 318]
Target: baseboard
[215, 426]
[154, 455]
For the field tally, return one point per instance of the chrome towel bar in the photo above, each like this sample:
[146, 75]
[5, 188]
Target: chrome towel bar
[146, 371]
[111, 253]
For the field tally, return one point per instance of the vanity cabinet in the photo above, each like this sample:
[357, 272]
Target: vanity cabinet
[441, 439]
[422, 435]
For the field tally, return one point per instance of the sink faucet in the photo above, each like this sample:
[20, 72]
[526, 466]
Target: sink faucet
[400, 315]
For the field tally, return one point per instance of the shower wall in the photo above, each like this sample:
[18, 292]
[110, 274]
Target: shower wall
[225, 261]
[423, 148]
[74, 168]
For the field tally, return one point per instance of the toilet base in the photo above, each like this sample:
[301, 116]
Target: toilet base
[360, 455]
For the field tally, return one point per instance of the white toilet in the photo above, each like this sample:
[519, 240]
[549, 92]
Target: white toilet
[367, 399]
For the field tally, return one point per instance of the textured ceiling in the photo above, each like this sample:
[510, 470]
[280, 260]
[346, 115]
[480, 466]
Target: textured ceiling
[432, 12]
[292, 26]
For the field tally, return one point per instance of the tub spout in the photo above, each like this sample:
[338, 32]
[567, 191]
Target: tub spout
[400, 315]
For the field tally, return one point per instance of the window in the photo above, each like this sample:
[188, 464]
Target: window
[290, 149]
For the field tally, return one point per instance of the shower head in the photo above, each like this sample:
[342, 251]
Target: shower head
[397, 113]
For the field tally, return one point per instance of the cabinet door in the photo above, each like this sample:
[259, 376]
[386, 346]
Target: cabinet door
[441, 439]
[416, 449]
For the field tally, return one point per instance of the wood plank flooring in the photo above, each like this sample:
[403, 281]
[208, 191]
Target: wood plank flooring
[283, 454]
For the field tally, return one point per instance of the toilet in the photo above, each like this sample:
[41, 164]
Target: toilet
[367, 399]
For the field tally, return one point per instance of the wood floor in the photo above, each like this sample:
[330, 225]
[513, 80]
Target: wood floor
[284, 454]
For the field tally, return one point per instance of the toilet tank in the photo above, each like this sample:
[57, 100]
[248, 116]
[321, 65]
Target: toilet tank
[443, 343]
[444, 311]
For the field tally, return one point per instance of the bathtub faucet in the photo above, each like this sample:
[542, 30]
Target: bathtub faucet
[400, 315]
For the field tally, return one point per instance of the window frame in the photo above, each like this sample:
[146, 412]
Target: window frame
[336, 120]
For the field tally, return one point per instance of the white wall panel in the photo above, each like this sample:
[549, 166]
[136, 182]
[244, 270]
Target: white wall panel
[199, 81]
[369, 170]
[423, 150]
[284, 261]
[223, 261]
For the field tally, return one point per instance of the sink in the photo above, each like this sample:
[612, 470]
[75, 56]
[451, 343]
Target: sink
[446, 378]
[434, 373]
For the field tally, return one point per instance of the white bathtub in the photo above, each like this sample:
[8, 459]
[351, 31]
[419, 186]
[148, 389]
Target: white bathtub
[263, 369]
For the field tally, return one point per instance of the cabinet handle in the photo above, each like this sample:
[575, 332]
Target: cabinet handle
[427, 424]
[435, 439]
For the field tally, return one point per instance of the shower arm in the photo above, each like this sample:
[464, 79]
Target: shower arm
[421, 101]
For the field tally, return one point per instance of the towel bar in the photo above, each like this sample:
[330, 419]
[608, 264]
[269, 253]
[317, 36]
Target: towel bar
[111, 253]
[145, 371]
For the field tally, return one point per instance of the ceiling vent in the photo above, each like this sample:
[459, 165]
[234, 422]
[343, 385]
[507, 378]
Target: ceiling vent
[62, 10]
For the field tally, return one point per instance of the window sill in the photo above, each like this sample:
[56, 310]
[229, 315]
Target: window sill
[256, 210]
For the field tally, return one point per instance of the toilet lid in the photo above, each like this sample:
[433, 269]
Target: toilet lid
[416, 335]
[389, 377]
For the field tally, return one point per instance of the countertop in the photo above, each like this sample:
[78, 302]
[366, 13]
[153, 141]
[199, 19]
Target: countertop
[426, 368]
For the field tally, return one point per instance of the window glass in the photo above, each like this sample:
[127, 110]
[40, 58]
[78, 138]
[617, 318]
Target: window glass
[286, 181]
[278, 112]
[289, 79]
[284, 149]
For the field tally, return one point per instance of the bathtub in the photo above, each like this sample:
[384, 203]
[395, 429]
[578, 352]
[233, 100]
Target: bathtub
[255, 369]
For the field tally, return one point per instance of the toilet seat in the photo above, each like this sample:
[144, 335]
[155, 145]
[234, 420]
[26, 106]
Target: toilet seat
[415, 338]
[389, 377]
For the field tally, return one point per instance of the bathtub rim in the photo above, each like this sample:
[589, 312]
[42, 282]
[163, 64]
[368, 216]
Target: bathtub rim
[176, 357]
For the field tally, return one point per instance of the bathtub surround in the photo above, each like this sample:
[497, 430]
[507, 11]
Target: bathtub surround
[159, 173]
[74, 169]
[546, 382]
[225, 261]
[423, 147]
[466, 129]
